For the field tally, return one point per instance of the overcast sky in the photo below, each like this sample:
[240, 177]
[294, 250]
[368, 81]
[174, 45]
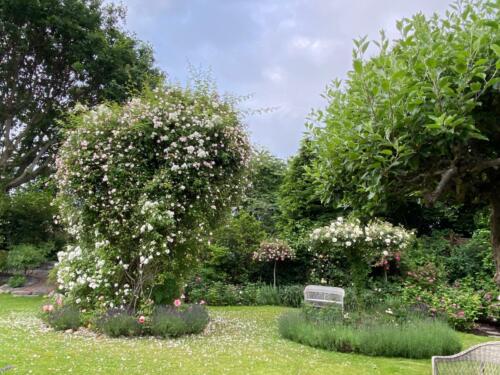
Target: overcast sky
[284, 52]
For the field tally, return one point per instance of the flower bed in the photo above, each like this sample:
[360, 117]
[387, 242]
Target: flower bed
[163, 321]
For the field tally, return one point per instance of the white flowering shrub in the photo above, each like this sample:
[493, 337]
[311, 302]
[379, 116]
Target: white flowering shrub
[361, 246]
[140, 187]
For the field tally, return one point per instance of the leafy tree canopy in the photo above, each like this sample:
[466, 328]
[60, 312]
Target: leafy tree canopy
[54, 53]
[266, 176]
[419, 119]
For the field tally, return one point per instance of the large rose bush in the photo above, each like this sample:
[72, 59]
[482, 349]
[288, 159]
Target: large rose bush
[140, 187]
[361, 246]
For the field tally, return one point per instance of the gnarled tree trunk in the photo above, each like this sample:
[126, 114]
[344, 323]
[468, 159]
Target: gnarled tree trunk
[495, 233]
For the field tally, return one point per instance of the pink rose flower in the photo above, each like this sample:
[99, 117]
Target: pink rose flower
[48, 308]
[141, 319]
[177, 302]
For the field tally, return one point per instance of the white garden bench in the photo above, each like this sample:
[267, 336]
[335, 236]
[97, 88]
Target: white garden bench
[482, 359]
[319, 295]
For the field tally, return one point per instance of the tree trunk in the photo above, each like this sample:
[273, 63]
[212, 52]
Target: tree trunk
[274, 274]
[495, 233]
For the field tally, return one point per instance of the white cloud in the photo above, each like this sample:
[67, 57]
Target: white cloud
[283, 51]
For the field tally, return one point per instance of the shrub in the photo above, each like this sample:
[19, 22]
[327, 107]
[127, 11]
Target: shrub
[249, 294]
[416, 339]
[3, 259]
[140, 186]
[473, 258]
[291, 295]
[118, 322]
[412, 339]
[268, 295]
[168, 321]
[295, 327]
[220, 294]
[26, 216]
[376, 244]
[63, 318]
[234, 243]
[25, 257]
[461, 305]
[326, 314]
[16, 281]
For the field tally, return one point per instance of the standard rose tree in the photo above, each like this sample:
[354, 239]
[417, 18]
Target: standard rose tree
[140, 187]
[273, 251]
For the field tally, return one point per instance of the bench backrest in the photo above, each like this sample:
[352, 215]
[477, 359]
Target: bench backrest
[481, 359]
[320, 295]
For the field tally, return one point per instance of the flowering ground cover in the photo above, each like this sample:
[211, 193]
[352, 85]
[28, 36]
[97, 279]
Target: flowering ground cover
[239, 340]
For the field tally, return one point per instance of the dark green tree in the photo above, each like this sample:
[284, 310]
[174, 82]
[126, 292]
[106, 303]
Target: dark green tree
[419, 120]
[261, 200]
[54, 53]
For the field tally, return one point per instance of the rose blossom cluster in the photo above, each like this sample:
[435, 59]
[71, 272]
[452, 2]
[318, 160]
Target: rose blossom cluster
[273, 251]
[377, 242]
[140, 187]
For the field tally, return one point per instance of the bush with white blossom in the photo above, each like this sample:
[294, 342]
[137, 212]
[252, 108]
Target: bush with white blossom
[362, 246]
[140, 187]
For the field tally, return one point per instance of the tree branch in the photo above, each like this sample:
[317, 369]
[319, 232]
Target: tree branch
[29, 172]
[492, 163]
[443, 184]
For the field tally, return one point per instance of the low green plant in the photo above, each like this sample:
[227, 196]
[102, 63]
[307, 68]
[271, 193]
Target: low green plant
[63, 318]
[415, 338]
[117, 322]
[17, 281]
[220, 294]
[291, 295]
[268, 295]
[168, 321]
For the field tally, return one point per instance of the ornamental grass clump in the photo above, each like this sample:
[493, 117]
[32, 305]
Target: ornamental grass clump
[140, 186]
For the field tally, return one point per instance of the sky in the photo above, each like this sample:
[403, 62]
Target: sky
[281, 52]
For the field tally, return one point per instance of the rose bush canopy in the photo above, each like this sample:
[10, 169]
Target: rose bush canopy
[140, 187]
[360, 245]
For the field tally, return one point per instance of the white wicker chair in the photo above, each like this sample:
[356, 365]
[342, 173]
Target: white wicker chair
[482, 359]
[319, 295]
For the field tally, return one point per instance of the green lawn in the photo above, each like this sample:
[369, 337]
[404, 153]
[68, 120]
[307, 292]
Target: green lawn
[240, 340]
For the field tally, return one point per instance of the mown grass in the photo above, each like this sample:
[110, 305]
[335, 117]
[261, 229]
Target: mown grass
[238, 340]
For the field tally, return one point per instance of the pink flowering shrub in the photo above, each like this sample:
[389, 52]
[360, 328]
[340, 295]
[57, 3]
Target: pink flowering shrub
[140, 187]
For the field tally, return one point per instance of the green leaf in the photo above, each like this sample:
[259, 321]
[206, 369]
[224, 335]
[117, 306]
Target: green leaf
[496, 49]
[460, 67]
[358, 66]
